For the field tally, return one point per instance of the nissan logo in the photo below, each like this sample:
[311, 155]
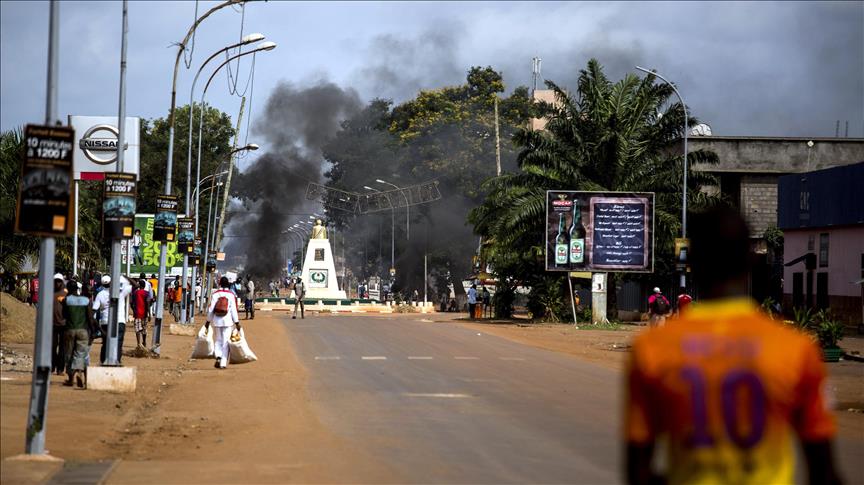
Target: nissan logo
[101, 150]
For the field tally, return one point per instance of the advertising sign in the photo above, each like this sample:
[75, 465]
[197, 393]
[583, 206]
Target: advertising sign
[211, 262]
[95, 149]
[318, 278]
[150, 248]
[599, 231]
[45, 190]
[165, 224]
[682, 250]
[118, 205]
[195, 257]
[185, 235]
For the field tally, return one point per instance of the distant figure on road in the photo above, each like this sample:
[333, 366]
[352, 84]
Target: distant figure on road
[80, 326]
[141, 300]
[299, 294]
[725, 388]
[222, 315]
[472, 301]
[486, 297]
[249, 304]
[658, 307]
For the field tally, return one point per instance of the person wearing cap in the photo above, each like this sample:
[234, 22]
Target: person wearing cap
[102, 304]
[58, 361]
[80, 325]
[658, 307]
[222, 323]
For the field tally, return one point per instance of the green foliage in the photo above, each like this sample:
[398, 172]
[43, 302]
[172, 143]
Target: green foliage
[768, 305]
[599, 326]
[215, 147]
[773, 237]
[803, 318]
[605, 137]
[548, 301]
[14, 249]
[829, 331]
[502, 300]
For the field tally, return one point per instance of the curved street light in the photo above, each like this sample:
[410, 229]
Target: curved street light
[392, 233]
[683, 281]
[407, 208]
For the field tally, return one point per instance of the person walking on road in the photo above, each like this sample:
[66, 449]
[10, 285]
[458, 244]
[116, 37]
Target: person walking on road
[223, 316]
[58, 361]
[472, 301]
[249, 304]
[486, 298]
[658, 308]
[140, 305]
[725, 388]
[80, 326]
[299, 294]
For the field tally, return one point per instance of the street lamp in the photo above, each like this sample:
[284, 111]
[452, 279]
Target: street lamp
[683, 281]
[163, 248]
[248, 39]
[392, 232]
[264, 46]
[407, 208]
[195, 191]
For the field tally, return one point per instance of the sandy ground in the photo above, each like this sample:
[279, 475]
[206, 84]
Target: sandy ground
[206, 425]
[201, 423]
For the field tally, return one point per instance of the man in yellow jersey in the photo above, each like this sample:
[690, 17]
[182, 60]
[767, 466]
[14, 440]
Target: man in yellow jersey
[727, 387]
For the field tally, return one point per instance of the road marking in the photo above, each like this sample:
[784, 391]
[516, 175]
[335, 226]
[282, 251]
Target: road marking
[319, 357]
[512, 358]
[7, 379]
[373, 357]
[435, 394]
[415, 357]
[468, 379]
[467, 358]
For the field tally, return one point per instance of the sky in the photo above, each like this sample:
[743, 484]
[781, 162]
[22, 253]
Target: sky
[745, 68]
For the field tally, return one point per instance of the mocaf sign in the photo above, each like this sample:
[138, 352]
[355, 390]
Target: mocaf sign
[96, 146]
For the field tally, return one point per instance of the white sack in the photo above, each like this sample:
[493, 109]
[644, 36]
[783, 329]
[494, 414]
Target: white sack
[239, 352]
[203, 344]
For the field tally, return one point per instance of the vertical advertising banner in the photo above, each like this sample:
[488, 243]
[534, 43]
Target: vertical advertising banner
[185, 235]
[44, 205]
[118, 205]
[195, 257]
[165, 224]
[599, 231]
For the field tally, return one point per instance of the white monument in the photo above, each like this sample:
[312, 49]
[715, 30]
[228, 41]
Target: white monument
[319, 268]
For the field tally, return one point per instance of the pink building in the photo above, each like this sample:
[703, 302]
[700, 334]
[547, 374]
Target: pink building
[821, 214]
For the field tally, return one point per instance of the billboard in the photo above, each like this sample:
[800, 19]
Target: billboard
[599, 231]
[118, 205]
[95, 150]
[45, 191]
[150, 250]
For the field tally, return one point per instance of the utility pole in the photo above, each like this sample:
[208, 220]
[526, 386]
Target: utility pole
[113, 353]
[497, 141]
[37, 416]
[217, 238]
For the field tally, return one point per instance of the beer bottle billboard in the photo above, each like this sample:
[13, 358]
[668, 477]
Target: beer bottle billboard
[577, 236]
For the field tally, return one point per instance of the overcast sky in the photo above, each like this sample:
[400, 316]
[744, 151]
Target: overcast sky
[745, 68]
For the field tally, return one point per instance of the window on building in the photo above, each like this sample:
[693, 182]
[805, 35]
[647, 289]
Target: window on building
[811, 242]
[823, 250]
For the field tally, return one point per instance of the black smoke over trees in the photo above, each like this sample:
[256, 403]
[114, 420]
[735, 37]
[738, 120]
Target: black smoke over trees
[296, 123]
[446, 134]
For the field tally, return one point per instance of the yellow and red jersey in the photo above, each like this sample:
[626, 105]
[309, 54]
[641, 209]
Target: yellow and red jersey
[729, 389]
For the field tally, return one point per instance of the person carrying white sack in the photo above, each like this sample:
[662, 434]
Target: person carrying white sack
[222, 314]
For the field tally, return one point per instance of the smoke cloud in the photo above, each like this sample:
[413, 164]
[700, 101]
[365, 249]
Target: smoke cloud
[295, 125]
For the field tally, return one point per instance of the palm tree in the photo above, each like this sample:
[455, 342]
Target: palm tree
[606, 137]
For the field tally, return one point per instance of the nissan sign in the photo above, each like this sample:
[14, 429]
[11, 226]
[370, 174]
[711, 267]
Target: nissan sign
[96, 147]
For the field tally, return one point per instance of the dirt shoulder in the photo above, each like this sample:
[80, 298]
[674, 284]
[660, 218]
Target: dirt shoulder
[199, 423]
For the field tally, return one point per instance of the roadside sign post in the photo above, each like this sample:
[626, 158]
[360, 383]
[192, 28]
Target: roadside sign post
[42, 177]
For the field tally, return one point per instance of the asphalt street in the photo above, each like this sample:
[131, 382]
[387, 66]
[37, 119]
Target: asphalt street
[444, 404]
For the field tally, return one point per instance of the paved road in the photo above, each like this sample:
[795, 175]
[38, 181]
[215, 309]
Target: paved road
[442, 404]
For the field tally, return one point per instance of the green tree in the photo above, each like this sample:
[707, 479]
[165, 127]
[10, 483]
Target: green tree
[215, 147]
[620, 136]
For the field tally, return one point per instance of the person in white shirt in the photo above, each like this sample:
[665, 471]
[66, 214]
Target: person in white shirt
[222, 323]
[102, 303]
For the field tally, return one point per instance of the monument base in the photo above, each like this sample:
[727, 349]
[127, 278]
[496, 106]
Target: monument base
[319, 272]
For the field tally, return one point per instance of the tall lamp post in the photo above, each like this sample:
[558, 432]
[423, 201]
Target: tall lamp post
[407, 207]
[248, 39]
[163, 248]
[392, 232]
[683, 280]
